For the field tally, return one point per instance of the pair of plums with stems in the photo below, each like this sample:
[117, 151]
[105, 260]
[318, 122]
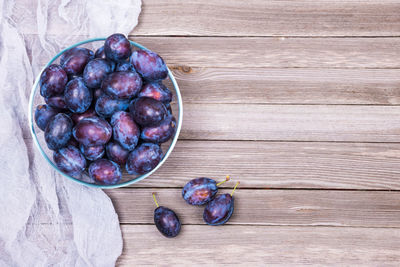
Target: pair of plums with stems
[197, 192]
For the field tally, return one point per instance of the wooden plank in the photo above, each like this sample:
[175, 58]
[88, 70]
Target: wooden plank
[289, 86]
[282, 165]
[291, 122]
[269, 18]
[276, 52]
[270, 207]
[199, 245]
[251, 18]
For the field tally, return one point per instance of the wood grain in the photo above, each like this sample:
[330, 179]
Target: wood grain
[275, 52]
[291, 122]
[281, 164]
[289, 86]
[266, 18]
[270, 207]
[201, 245]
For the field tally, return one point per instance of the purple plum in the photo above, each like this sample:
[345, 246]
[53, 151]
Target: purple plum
[144, 158]
[105, 171]
[92, 131]
[122, 84]
[116, 153]
[58, 131]
[149, 65]
[52, 81]
[147, 111]
[70, 161]
[117, 47]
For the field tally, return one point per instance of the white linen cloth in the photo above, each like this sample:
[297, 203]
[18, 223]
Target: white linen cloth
[46, 219]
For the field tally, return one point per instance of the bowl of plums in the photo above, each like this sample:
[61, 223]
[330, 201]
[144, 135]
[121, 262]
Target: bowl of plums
[105, 112]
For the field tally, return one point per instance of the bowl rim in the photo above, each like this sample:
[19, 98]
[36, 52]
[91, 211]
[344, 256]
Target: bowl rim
[135, 180]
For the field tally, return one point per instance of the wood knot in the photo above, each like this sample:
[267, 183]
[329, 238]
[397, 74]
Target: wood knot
[185, 69]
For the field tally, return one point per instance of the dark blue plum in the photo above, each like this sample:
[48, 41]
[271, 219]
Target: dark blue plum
[74, 60]
[92, 131]
[77, 117]
[122, 84]
[160, 133]
[100, 53]
[167, 222]
[199, 191]
[144, 158]
[58, 131]
[157, 91]
[219, 210]
[106, 105]
[117, 47]
[95, 72]
[43, 114]
[92, 152]
[116, 153]
[105, 171]
[125, 130]
[147, 111]
[70, 161]
[149, 65]
[77, 96]
[52, 81]
[124, 66]
[57, 101]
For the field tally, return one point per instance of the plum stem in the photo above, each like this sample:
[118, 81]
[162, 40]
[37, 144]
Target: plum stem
[155, 200]
[227, 178]
[233, 191]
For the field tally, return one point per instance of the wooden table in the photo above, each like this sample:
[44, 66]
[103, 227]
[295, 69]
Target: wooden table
[300, 101]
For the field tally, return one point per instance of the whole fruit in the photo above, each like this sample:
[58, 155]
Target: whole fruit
[144, 158]
[92, 131]
[125, 130]
[52, 81]
[199, 191]
[70, 160]
[122, 84]
[117, 47]
[149, 65]
[167, 222]
[77, 96]
[105, 171]
[219, 210]
[74, 60]
[147, 111]
[95, 72]
[116, 153]
[58, 131]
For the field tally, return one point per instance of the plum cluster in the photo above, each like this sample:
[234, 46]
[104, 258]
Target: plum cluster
[106, 110]
[201, 191]
[197, 192]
